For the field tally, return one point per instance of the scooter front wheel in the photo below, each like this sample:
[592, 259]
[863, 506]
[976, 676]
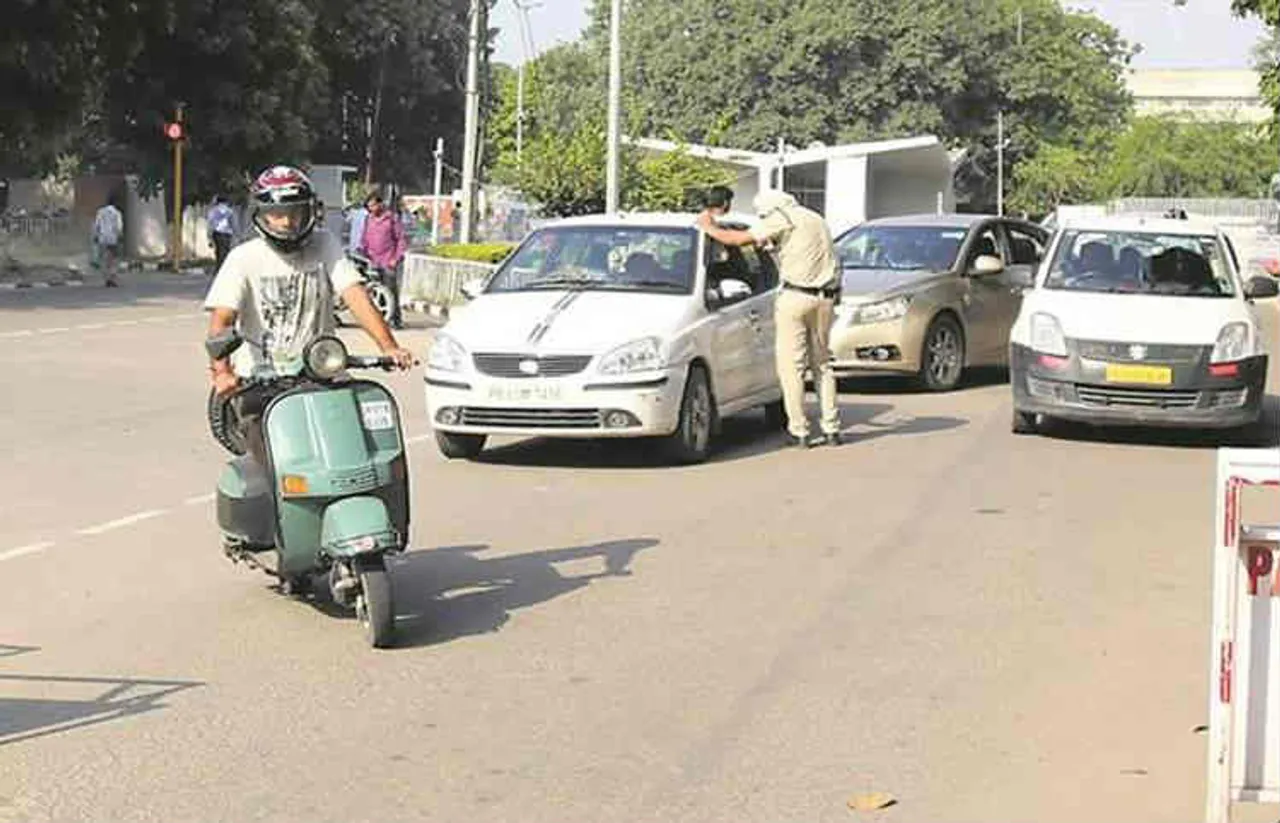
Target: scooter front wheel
[374, 608]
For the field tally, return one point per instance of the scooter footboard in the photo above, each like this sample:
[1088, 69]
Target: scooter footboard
[356, 525]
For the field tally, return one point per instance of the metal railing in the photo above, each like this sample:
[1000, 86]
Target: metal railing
[439, 280]
[1226, 209]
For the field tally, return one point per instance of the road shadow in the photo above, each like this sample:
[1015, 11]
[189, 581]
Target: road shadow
[742, 436]
[446, 593]
[28, 718]
[1265, 435]
[13, 651]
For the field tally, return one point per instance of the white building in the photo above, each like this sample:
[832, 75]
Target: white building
[848, 184]
[1213, 94]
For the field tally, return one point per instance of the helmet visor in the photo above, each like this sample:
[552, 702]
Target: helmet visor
[284, 221]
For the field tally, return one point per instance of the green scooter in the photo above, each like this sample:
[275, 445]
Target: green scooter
[334, 497]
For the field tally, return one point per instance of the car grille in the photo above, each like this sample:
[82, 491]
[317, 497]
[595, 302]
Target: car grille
[1140, 398]
[551, 365]
[531, 418]
[1158, 353]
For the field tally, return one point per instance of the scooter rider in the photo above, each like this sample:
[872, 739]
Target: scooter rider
[279, 288]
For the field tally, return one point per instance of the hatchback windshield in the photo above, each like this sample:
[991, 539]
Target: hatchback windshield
[1140, 263]
[932, 248]
[601, 257]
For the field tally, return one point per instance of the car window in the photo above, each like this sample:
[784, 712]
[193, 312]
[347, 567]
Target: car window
[601, 257]
[985, 244]
[736, 263]
[1141, 262]
[1025, 248]
[903, 248]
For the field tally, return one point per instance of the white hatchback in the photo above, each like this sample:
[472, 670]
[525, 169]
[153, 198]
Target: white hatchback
[1143, 322]
[631, 325]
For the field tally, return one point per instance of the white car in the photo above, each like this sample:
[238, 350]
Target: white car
[631, 325]
[1143, 322]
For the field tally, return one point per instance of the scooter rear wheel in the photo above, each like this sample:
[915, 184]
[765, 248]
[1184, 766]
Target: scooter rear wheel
[374, 608]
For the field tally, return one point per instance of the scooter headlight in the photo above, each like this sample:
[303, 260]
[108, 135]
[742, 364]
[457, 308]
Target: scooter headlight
[326, 358]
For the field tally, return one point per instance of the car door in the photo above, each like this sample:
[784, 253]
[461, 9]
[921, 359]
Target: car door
[985, 297]
[760, 267]
[1024, 249]
[733, 338]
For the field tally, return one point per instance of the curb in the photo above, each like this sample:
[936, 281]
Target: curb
[40, 284]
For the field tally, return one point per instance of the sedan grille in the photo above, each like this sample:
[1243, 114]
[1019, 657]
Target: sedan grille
[1138, 352]
[1139, 398]
[551, 365]
[531, 418]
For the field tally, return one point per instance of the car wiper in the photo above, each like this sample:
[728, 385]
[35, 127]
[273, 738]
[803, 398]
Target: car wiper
[559, 282]
[649, 284]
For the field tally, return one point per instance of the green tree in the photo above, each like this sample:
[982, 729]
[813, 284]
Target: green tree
[1268, 61]
[1171, 157]
[1057, 174]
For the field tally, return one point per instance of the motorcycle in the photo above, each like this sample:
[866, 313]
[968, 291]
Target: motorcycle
[376, 284]
[333, 498]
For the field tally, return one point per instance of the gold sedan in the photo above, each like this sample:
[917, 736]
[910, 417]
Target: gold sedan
[931, 295]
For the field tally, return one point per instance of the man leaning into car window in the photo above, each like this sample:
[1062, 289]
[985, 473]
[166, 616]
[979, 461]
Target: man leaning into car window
[805, 307]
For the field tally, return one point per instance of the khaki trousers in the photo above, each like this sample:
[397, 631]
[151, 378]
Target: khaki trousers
[803, 339]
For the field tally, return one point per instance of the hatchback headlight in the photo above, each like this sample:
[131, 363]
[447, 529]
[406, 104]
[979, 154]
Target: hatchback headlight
[1046, 335]
[881, 311]
[1232, 343]
[644, 354]
[446, 354]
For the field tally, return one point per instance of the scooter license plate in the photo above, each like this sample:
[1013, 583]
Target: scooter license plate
[377, 415]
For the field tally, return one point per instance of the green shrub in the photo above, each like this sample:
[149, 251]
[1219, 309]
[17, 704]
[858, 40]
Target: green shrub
[475, 252]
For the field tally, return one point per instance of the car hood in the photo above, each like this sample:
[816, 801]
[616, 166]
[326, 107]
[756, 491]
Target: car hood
[863, 284]
[568, 321]
[1138, 318]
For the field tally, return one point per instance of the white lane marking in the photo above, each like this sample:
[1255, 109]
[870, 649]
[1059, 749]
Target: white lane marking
[19, 333]
[199, 500]
[417, 438]
[90, 326]
[32, 548]
[120, 522]
[55, 330]
[164, 318]
[126, 322]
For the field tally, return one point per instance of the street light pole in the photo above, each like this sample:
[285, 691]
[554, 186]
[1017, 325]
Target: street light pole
[435, 191]
[615, 107]
[1000, 162]
[472, 120]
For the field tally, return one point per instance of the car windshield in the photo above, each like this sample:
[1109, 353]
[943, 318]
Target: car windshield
[906, 248]
[601, 257]
[1138, 262]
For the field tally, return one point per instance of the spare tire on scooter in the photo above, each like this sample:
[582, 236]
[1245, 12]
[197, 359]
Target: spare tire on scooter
[224, 424]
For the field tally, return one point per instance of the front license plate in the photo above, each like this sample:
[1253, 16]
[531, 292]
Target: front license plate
[518, 392]
[1148, 375]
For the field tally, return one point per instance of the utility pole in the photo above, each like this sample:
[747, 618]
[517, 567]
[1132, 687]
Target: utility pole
[1000, 162]
[615, 107]
[179, 137]
[471, 141]
[435, 191]
[526, 42]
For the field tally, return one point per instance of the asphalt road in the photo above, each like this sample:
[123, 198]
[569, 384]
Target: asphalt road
[987, 627]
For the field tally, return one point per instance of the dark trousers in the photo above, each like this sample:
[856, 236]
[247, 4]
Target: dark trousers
[221, 247]
[250, 405]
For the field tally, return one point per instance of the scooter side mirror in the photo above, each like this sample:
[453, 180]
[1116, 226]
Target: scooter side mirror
[223, 344]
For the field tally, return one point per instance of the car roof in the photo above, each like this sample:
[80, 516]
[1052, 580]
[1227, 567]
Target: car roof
[947, 219]
[1140, 223]
[659, 219]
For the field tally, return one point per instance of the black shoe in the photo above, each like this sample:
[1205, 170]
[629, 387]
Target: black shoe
[834, 439]
[799, 442]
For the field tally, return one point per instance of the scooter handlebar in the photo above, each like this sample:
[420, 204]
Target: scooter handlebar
[385, 363]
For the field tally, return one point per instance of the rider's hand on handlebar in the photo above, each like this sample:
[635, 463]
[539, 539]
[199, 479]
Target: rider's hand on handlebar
[225, 382]
[402, 357]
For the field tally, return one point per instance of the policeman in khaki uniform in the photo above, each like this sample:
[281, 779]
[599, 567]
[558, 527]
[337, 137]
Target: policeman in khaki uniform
[805, 307]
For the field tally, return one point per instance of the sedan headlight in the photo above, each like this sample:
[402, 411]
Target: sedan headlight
[446, 354]
[1232, 343]
[881, 311]
[638, 355]
[1046, 335]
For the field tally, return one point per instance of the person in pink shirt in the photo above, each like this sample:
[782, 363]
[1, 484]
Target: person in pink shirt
[384, 244]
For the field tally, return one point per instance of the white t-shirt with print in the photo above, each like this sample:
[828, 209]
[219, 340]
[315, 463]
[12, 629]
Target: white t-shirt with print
[283, 301]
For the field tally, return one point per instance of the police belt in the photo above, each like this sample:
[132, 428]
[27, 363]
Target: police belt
[829, 291]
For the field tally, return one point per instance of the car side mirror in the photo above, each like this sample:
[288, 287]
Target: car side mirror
[223, 344]
[730, 291]
[472, 289]
[1261, 287]
[986, 264]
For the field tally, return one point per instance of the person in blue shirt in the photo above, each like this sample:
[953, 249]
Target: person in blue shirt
[223, 228]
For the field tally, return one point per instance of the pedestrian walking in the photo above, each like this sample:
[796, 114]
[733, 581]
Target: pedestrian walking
[384, 244]
[223, 228]
[107, 237]
[805, 305]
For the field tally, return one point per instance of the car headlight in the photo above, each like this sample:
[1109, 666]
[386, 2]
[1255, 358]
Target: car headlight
[1232, 343]
[446, 354]
[881, 311]
[1046, 335]
[638, 355]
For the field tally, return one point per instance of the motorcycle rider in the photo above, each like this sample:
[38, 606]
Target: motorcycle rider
[279, 289]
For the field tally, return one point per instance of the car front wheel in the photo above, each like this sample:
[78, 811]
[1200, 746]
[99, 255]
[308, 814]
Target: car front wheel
[691, 441]
[942, 357]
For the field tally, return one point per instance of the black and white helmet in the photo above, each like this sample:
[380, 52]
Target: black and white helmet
[284, 207]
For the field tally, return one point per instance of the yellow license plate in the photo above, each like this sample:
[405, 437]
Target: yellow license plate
[1150, 375]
